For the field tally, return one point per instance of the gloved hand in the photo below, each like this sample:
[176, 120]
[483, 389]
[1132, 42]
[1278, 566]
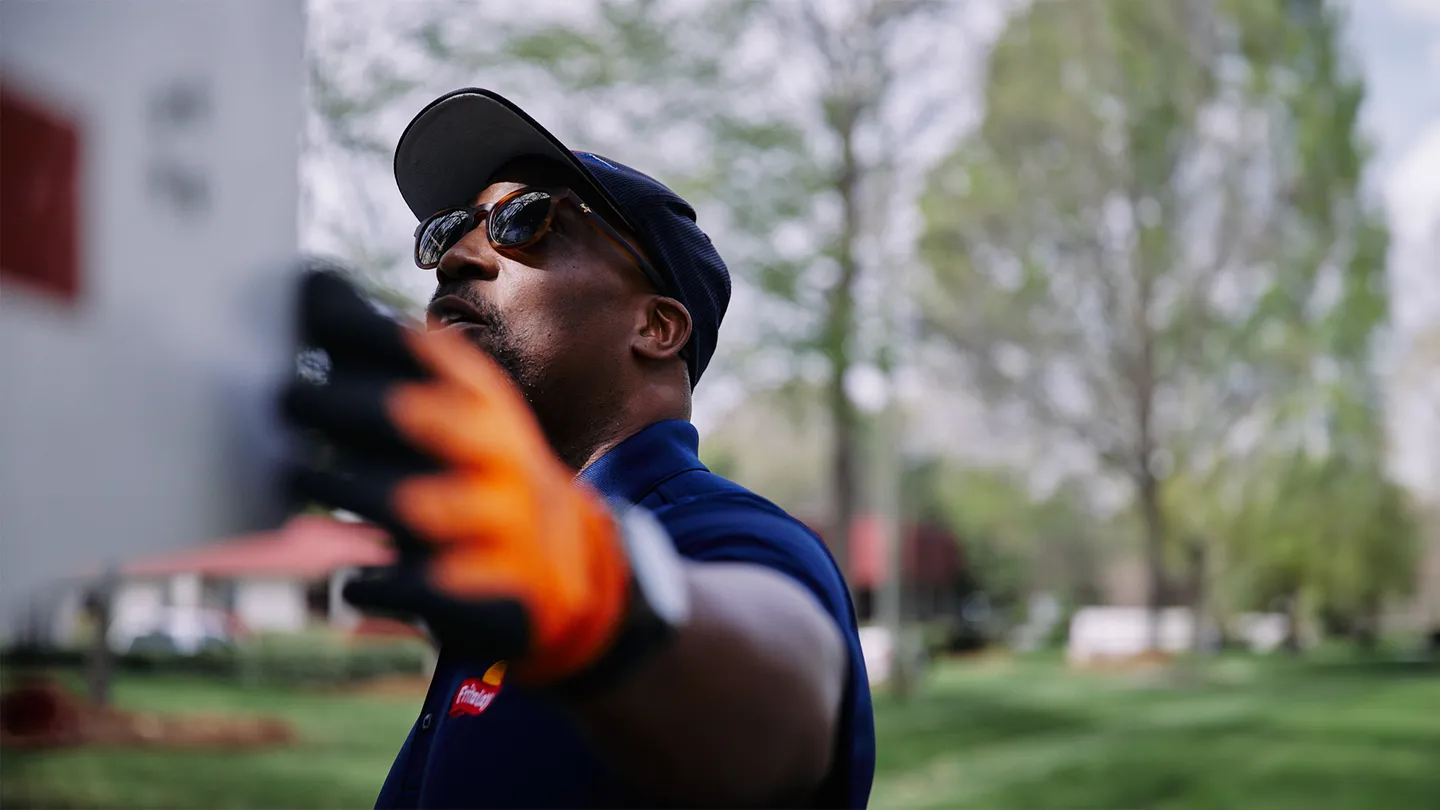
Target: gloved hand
[500, 551]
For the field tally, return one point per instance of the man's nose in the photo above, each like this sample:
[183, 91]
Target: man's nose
[471, 258]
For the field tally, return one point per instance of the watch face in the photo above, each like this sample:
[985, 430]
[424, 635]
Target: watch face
[657, 568]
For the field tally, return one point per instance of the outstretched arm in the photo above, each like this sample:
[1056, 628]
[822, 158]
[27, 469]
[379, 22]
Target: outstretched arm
[504, 556]
[741, 708]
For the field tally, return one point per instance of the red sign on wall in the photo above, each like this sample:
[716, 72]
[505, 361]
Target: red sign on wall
[39, 197]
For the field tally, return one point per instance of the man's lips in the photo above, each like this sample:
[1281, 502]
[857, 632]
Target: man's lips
[453, 312]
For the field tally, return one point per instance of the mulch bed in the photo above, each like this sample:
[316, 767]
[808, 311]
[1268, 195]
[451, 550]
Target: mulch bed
[393, 686]
[1149, 660]
[39, 714]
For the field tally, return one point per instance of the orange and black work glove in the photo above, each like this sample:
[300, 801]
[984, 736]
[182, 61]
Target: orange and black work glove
[500, 551]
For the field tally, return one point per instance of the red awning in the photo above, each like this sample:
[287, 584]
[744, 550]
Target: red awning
[306, 547]
[930, 553]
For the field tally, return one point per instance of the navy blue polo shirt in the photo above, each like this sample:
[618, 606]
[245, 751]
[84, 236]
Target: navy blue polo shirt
[482, 742]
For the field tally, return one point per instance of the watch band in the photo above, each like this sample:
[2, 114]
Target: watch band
[657, 604]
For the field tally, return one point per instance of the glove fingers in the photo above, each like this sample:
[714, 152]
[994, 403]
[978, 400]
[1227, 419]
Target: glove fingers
[496, 627]
[450, 423]
[366, 490]
[336, 318]
[384, 593]
[350, 411]
[467, 511]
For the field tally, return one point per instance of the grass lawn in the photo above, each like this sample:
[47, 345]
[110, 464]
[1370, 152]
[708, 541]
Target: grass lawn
[997, 734]
[347, 742]
[1242, 733]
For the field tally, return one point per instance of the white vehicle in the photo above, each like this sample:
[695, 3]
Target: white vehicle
[878, 647]
[178, 630]
[1116, 633]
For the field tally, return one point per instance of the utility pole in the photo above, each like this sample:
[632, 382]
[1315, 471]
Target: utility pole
[888, 460]
[100, 664]
[887, 466]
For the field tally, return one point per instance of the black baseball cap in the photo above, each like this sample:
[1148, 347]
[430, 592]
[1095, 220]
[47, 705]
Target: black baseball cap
[455, 145]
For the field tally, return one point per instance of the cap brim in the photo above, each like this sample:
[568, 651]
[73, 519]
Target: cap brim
[455, 145]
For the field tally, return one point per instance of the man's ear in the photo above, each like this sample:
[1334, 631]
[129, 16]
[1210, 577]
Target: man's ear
[664, 329]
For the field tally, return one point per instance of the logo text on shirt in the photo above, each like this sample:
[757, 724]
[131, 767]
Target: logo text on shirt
[476, 694]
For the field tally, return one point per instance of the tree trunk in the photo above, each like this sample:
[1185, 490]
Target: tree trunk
[839, 326]
[1199, 595]
[843, 489]
[1292, 621]
[886, 464]
[100, 664]
[1154, 553]
[1144, 380]
[1365, 629]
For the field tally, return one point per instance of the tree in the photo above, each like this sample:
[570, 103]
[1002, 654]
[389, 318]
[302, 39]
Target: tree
[1319, 527]
[1325, 536]
[794, 154]
[351, 81]
[865, 54]
[1156, 232]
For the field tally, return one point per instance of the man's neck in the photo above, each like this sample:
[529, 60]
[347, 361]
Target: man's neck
[640, 408]
[579, 456]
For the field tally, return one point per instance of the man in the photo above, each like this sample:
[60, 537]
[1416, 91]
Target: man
[654, 636]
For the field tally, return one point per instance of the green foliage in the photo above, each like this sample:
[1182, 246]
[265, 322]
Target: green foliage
[306, 658]
[1332, 531]
[261, 660]
[1155, 238]
[1013, 541]
[1091, 224]
[320, 658]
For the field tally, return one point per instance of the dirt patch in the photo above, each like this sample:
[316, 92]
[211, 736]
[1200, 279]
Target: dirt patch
[989, 655]
[1145, 661]
[40, 714]
[394, 686]
[375, 627]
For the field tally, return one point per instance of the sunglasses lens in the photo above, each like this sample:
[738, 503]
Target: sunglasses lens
[521, 220]
[439, 235]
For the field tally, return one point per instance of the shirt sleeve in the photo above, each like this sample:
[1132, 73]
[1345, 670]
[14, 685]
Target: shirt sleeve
[734, 530]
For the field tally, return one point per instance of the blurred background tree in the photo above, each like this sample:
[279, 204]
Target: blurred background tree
[1142, 236]
[1156, 241]
[792, 154]
[1017, 541]
[1325, 532]
[350, 83]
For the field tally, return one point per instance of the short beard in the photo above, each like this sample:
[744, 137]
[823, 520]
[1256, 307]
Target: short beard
[552, 409]
[496, 340]
[494, 337]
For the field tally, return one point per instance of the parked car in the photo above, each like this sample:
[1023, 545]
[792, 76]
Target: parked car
[185, 631]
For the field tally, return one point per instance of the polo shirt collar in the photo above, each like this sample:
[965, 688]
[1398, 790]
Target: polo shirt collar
[633, 468]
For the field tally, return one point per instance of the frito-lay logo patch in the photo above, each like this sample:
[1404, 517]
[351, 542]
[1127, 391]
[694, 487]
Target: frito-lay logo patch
[476, 694]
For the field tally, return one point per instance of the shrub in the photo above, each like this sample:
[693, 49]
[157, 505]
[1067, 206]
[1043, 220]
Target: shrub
[311, 658]
[327, 658]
